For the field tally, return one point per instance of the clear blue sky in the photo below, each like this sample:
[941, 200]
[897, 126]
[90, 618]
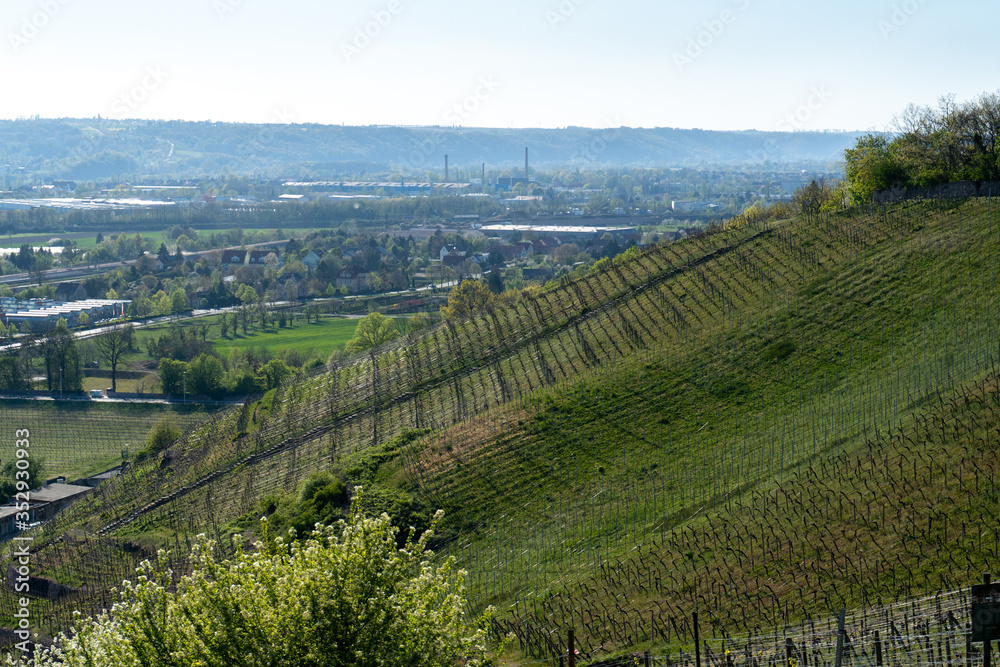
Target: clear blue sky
[722, 64]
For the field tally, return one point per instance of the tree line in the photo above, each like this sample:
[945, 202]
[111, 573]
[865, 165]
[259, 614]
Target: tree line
[929, 146]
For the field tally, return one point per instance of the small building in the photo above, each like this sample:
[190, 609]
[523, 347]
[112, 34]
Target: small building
[538, 273]
[52, 498]
[234, 257]
[43, 504]
[311, 260]
[454, 259]
[259, 257]
[8, 526]
[565, 233]
[510, 252]
[352, 279]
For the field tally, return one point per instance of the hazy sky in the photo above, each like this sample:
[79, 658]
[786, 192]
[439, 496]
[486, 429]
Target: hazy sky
[721, 64]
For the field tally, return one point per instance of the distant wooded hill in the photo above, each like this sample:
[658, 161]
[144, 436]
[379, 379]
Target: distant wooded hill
[92, 149]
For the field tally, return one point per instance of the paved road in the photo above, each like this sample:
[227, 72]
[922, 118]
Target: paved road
[56, 275]
[105, 399]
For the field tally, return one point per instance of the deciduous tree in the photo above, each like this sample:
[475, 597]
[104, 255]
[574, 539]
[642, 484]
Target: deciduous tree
[373, 330]
[348, 595]
[113, 346]
[467, 298]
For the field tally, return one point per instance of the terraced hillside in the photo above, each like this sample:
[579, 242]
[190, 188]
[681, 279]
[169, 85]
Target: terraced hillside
[762, 423]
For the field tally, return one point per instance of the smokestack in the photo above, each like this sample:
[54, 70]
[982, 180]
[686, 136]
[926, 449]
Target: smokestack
[525, 163]
[445, 167]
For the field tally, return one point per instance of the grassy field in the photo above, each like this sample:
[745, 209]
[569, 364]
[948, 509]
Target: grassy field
[316, 338]
[319, 338]
[762, 424]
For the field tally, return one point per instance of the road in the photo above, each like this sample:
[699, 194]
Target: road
[105, 399]
[66, 273]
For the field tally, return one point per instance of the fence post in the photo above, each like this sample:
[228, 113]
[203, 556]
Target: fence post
[987, 645]
[572, 649]
[968, 645]
[788, 652]
[697, 640]
[878, 650]
[645, 658]
[840, 638]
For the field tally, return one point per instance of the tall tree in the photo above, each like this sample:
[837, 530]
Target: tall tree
[872, 164]
[42, 262]
[163, 255]
[373, 330]
[62, 362]
[12, 375]
[114, 345]
[467, 299]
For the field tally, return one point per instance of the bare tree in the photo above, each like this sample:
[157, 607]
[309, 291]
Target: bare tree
[113, 346]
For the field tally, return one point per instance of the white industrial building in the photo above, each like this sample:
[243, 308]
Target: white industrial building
[42, 314]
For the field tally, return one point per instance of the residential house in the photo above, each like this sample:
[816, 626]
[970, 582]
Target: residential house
[311, 260]
[509, 252]
[234, 258]
[538, 273]
[259, 257]
[353, 279]
[525, 248]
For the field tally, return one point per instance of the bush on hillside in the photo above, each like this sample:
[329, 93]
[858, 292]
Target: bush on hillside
[346, 596]
[163, 434]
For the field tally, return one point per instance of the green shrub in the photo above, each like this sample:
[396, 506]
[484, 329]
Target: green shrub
[163, 434]
[346, 596]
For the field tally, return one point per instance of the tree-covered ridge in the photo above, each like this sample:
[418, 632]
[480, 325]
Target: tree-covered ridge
[95, 148]
[929, 146]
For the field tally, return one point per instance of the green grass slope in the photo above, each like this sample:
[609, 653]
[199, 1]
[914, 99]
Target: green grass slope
[759, 423]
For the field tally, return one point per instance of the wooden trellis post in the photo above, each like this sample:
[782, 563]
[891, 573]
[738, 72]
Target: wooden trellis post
[986, 616]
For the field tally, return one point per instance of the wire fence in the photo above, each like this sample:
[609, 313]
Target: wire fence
[934, 630]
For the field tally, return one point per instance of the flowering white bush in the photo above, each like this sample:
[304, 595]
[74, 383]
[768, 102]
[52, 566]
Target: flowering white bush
[346, 596]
